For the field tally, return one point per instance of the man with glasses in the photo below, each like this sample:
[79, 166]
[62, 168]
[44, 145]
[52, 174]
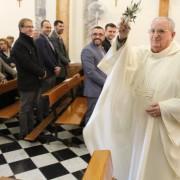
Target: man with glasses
[30, 72]
[91, 55]
[137, 115]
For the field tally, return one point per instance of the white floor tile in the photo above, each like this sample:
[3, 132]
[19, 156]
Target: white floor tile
[65, 135]
[74, 164]
[14, 130]
[26, 144]
[69, 127]
[34, 174]
[55, 146]
[15, 155]
[3, 126]
[4, 140]
[66, 177]
[44, 160]
[5, 170]
[12, 120]
[82, 150]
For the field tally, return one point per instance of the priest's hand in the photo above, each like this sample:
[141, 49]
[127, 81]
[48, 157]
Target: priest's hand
[154, 110]
[124, 29]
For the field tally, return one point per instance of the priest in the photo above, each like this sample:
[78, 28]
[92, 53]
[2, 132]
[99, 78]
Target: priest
[137, 115]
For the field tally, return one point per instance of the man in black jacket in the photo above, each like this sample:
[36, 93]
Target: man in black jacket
[30, 72]
[110, 33]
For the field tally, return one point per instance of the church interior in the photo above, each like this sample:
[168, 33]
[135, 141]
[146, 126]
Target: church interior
[55, 148]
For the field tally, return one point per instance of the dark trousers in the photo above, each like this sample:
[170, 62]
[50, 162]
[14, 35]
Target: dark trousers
[26, 116]
[91, 104]
[44, 101]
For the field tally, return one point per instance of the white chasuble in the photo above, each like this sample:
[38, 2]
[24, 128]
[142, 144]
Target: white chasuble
[142, 147]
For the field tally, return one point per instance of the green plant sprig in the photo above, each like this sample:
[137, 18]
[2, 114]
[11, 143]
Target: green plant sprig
[130, 14]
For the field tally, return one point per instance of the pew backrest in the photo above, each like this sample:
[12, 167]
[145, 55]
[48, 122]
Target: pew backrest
[100, 166]
[8, 86]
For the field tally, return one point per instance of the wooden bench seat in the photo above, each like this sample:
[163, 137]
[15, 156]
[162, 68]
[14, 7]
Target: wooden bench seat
[10, 111]
[75, 112]
[100, 166]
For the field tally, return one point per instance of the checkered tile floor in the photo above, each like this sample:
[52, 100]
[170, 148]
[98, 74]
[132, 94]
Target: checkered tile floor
[39, 160]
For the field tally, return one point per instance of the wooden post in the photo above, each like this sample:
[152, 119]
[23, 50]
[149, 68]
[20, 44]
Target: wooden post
[163, 7]
[62, 13]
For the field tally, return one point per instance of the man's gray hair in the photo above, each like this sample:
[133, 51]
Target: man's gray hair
[171, 22]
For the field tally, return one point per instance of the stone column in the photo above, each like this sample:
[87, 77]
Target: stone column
[40, 12]
[93, 12]
[62, 13]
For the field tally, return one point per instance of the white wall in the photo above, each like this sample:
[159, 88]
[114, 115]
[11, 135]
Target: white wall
[11, 13]
[76, 41]
[174, 13]
[51, 11]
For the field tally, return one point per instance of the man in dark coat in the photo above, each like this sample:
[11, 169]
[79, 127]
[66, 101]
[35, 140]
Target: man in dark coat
[63, 57]
[30, 72]
[110, 33]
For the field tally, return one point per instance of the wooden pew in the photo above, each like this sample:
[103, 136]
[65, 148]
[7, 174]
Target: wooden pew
[6, 178]
[54, 96]
[100, 166]
[11, 110]
[8, 86]
[75, 112]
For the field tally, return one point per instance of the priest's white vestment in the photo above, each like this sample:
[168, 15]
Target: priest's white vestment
[142, 147]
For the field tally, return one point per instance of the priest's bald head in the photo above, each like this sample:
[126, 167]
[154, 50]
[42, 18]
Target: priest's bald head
[161, 33]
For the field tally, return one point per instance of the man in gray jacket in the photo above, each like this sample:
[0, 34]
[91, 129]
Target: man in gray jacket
[91, 55]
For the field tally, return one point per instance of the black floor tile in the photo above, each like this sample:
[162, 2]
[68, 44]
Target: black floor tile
[86, 157]
[5, 131]
[79, 174]
[64, 154]
[53, 171]
[36, 150]
[10, 147]
[22, 166]
[59, 128]
[77, 141]
[2, 160]
[12, 124]
[76, 132]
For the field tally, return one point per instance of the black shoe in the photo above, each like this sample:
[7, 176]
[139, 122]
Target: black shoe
[20, 137]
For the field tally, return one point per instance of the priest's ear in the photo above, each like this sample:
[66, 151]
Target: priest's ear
[173, 34]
